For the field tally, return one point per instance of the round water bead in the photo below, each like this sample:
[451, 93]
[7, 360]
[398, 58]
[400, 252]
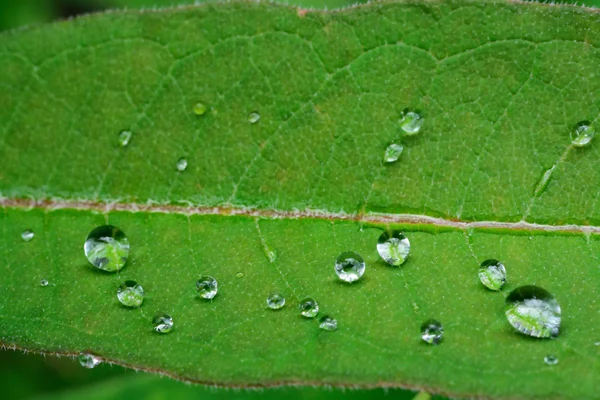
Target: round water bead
[309, 308]
[207, 287]
[181, 164]
[327, 323]
[130, 294]
[107, 248]
[43, 282]
[492, 274]
[533, 311]
[163, 323]
[393, 247]
[551, 359]
[253, 117]
[432, 331]
[349, 266]
[27, 235]
[275, 301]
[88, 360]
[583, 135]
[392, 153]
[124, 138]
[411, 122]
[200, 109]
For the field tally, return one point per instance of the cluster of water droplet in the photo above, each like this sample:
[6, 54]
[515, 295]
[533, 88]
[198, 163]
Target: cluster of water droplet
[410, 124]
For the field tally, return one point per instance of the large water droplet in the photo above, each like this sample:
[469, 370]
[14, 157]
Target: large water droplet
[130, 294]
[200, 109]
[43, 282]
[583, 134]
[124, 138]
[107, 248]
[551, 359]
[492, 274]
[393, 247]
[349, 266]
[327, 323]
[88, 360]
[253, 117]
[309, 308]
[27, 235]
[432, 331]
[207, 287]
[181, 164]
[533, 311]
[239, 275]
[275, 301]
[392, 153]
[163, 323]
[411, 122]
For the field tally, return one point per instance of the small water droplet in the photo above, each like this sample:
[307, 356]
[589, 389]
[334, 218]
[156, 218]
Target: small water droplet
[327, 323]
[200, 109]
[88, 360]
[533, 311]
[309, 308]
[411, 122]
[107, 248]
[393, 247]
[239, 275]
[182, 164]
[163, 323]
[271, 255]
[583, 134]
[253, 117]
[597, 344]
[551, 359]
[392, 153]
[43, 282]
[130, 294]
[275, 301]
[207, 287]
[124, 138]
[492, 274]
[27, 235]
[349, 266]
[432, 331]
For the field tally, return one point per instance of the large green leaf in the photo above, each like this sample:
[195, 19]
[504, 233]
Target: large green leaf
[501, 87]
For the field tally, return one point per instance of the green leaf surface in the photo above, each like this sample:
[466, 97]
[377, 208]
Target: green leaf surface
[501, 87]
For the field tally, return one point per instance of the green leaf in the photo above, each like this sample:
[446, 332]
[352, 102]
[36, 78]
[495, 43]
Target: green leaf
[268, 206]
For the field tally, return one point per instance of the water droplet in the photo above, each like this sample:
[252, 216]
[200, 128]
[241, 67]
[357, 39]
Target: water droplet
[253, 117]
[392, 153]
[309, 308]
[27, 235]
[492, 274]
[163, 323]
[200, 109]
[239, 275]
[275, 301]
[107, 248]
[583, 134]
[88, 360]
[130, 294]
[207, 287]
[533, 311]
[124, 138]
[271, 255]
[349, 266]
[432, 331]
[43, 282]
[393, 247]
[411, 122]
[597, 344]
[327, 323]
[551, 359]
[181, 164]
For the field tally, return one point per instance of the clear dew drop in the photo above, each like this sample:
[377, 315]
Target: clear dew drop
[551, 359]
[327, 323]
[411, 122]
[88, 360]
[239, 275]
[392, 153]
[207, 287]
[107, 248]
[393, 247]
[309, 307]
[432, 331]
[27, 235]
[583, 134]
[125, 138]
[200, 109]
[130, 294]
[275, 301]
[163, 323]
[349, 266]
[253, 117]
[492, 274]
[181, 164]
[533, 311]
[43, 282]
